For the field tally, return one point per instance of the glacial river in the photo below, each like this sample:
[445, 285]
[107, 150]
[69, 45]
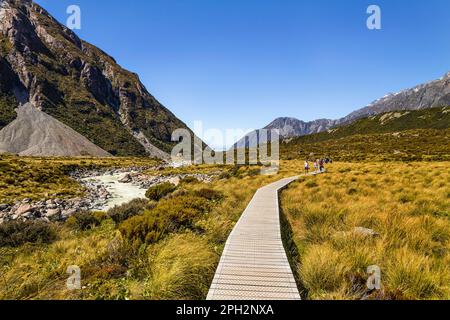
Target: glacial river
[121, 192]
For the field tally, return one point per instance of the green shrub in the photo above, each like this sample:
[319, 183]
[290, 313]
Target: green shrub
[17, 233]
[169, 216]
[159, 191]
[254, 172]
[133, 208]
[311, 184]
[209, 194]
[85, 220]
[189, 180]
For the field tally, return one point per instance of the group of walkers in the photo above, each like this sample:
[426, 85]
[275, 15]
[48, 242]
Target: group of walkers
[319, 165]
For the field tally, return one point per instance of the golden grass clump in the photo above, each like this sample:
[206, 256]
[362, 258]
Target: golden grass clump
[182, 269]
[408, 208]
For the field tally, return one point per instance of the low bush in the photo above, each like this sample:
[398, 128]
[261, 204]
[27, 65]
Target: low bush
[311, 184]
[189, 180]
[169, 216]
[209, 194]
[125, 211]
[159, 191]
[85, 220]
[17, 233]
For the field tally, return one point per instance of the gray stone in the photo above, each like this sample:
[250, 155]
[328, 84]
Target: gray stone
[24, 208]
[126, 178]
[52, 213]
[365, 232]
[68, 213]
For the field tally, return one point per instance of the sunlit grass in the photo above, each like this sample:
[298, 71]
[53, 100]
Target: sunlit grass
[180, 266]
[406, 204]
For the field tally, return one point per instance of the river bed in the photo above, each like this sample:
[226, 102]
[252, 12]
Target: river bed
[120, 192]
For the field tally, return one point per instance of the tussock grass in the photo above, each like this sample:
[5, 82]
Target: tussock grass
[178, 265]
[406, 204]
[182, 269]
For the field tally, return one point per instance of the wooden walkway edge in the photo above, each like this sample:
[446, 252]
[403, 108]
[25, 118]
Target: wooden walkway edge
[254, 265]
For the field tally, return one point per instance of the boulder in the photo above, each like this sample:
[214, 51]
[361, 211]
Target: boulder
[365, 232]
[126, 178]
[52, 213]
[23, 209]
[175, 180]
[67, 213]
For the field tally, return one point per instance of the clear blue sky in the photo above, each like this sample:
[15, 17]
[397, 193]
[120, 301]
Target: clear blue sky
[242, 63]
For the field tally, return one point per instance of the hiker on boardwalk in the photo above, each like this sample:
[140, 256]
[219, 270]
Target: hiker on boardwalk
[306, 167]
[316, 166]
[322, 165]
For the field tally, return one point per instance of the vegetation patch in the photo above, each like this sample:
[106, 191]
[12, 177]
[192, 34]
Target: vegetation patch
[169, 216]
[159, 191]
[183, 268]
[133, 208]
[85, 220]
[349, 223]
[17, 233]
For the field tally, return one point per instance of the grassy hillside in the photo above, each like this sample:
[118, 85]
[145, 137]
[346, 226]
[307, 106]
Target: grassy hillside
[407, 205]
[435, 118]
[406, 135]
[410, 145]
[7, 113]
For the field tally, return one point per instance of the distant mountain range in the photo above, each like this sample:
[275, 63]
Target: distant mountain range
[46, 64]
[397, 135]
[429, 95]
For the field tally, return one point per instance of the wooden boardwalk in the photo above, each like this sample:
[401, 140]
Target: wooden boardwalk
[254, 265]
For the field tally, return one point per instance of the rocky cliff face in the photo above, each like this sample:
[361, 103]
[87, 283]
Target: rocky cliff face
[430, 95]
[291, 127]
[45, 63]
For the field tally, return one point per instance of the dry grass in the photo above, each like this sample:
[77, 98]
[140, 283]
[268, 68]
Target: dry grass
[180, 266]
[407, 204]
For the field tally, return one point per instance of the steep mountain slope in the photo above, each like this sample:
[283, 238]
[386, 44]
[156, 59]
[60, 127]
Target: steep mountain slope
[34, 133]
[429, 95]
[45, 63]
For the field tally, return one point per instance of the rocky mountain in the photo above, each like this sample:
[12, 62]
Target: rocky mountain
[291, 127]
[390, 122]
[429, 95]
[46, 64]
[34, 133]
[407, 135]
